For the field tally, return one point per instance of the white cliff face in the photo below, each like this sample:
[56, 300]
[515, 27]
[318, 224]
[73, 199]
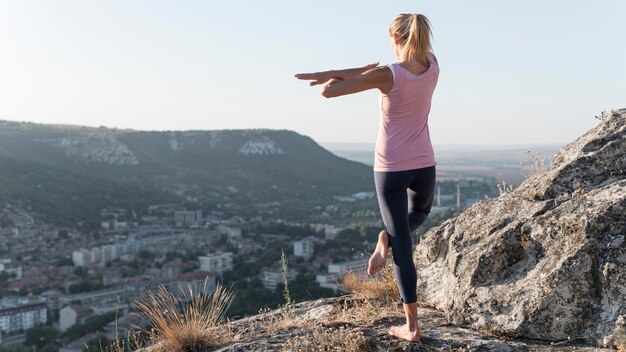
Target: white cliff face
[175, 144]
[215, 139]
[546, 260]
[262, 145]
[95, 149]
[180, 140]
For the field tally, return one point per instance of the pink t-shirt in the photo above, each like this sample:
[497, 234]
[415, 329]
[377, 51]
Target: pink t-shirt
[403, 141]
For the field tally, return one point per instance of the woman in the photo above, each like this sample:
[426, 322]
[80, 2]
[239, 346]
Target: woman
[404, 164]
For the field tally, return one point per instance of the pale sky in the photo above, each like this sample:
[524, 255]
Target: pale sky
[512, 72]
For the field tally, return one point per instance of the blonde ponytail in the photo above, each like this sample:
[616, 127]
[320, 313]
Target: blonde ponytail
[415, 35]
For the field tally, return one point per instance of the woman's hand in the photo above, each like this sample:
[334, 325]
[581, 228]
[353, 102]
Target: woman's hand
[325, 76]
[316, 77]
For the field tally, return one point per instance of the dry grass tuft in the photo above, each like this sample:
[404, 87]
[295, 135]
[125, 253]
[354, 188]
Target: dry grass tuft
[133, 342]
[534, 165]
[504, 187]
[382, 287]
[185, 322]
[372, 295]
[326, 338]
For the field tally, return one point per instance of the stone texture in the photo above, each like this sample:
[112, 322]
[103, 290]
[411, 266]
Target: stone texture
[437, 333]
[546, 260]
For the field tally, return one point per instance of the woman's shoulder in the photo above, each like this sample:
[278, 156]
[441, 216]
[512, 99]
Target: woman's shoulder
[434, 58]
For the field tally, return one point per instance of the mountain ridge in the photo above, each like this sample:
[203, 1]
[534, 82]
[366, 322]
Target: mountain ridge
[143, 167]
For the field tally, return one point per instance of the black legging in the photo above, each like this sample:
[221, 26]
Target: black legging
[402, 217]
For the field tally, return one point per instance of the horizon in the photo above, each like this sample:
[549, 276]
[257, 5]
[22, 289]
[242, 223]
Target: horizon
[510, 72]
[325, 144]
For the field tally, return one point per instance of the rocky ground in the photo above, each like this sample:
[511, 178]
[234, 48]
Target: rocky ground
[348, 326]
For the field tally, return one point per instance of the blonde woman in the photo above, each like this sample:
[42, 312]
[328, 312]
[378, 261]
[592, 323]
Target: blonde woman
[404, 164]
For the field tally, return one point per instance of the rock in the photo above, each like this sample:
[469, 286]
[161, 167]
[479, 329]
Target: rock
[237, 347]
[316, 313]
[546, 260]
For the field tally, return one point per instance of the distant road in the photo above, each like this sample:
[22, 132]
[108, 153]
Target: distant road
[13, 340]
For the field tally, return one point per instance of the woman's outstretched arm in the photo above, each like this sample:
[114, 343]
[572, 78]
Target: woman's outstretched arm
[379, 77]
[325, 76]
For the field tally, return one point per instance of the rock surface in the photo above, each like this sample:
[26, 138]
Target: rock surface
[256, 334]
[546, 260]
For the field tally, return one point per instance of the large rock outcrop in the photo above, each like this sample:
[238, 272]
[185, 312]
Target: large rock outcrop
[546, 260]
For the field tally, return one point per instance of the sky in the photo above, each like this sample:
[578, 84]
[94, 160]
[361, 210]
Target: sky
[512, 72]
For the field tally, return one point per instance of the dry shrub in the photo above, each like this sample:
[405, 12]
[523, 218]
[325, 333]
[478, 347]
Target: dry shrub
[534, 165]
[284, 320]
[325, 338]
[382, 287]
[504, 187]
[187, 321]
[133, 342]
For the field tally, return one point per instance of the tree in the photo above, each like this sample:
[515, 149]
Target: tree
[40, 336]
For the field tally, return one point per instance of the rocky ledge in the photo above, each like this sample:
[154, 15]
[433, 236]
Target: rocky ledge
[347, 324]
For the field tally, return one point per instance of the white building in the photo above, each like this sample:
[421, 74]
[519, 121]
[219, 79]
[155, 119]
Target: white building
[96, 256]
[82, 257]
[217, 262]
[188, 217]
[13, 269]
[330, 231]
[327, 281]
[350, 265]
[233, 234]
[21, 314]
[303, 248]
[73, 314]
[271, 277]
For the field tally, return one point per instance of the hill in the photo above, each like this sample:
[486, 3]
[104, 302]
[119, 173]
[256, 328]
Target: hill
[67, 174]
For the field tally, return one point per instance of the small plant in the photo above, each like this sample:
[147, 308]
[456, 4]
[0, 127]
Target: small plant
[534, 165]
[603, 115]
[133, 342]
[184, 322]
[288, 301]
[504, 187]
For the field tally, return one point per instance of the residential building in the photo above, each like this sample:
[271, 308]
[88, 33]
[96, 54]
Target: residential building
[73, 314]
[12, 269]
[217, 262]
[303, 248]
[233, 234]
[21, 314]
[351, 265]
[271, 277]
[327, 281]
[188, 217]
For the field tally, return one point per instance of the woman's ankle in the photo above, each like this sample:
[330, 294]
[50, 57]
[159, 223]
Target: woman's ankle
[383, 237]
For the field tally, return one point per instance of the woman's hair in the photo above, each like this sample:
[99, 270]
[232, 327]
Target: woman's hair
[414, 33]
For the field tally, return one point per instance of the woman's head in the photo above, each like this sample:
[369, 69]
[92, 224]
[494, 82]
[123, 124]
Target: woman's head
[411, 37]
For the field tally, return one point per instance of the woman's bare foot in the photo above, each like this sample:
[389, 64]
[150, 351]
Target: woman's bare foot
[405, 333]
[379, 257]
